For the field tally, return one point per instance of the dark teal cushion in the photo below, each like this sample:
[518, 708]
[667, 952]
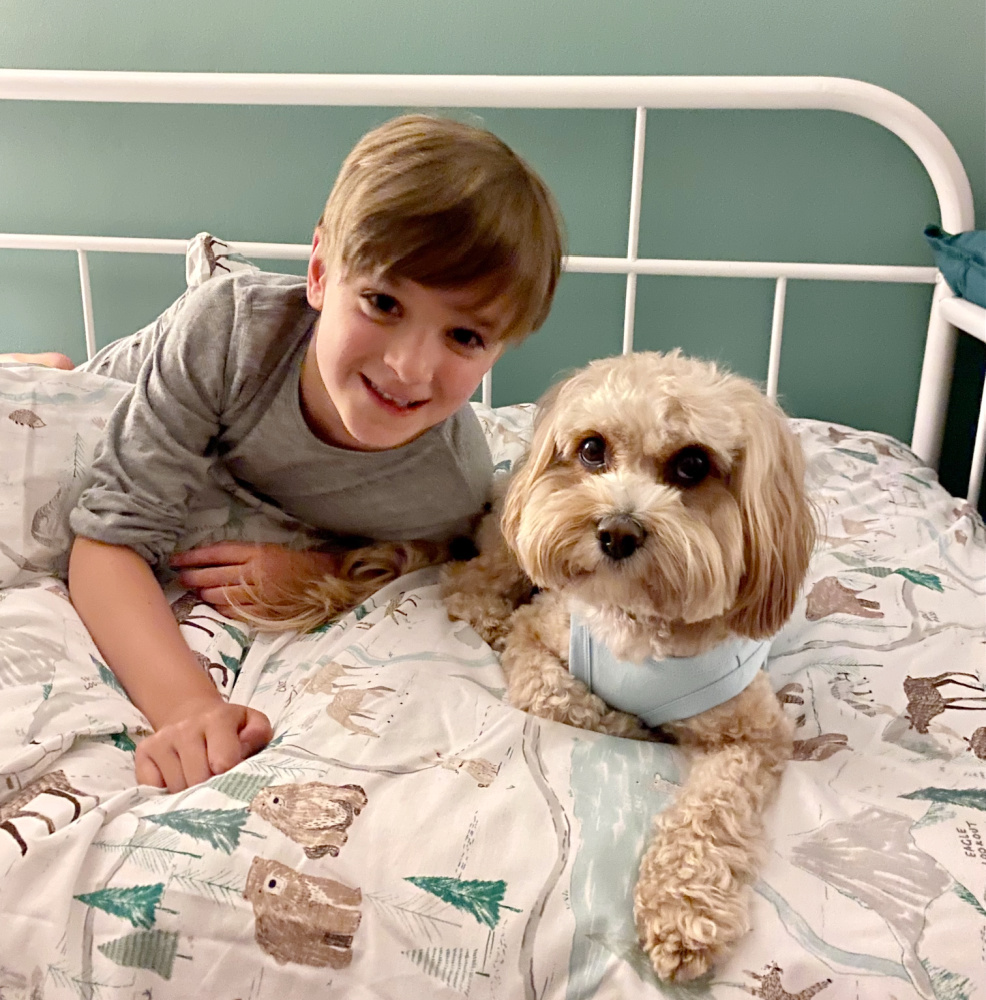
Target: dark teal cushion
[962, 261]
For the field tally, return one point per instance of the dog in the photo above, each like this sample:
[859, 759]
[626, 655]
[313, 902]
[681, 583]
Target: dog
[657, 529]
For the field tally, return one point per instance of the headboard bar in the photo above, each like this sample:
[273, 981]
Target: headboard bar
[895, 273]
[904, 119]
[867, 100]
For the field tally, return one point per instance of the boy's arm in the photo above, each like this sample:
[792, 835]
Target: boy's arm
[197, 734]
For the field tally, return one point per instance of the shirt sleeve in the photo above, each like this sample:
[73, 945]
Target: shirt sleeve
[158, 447]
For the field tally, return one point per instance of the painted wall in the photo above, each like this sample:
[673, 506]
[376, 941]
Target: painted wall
[768, 185]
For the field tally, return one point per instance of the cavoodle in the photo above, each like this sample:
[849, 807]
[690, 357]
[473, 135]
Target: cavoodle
[655, 537]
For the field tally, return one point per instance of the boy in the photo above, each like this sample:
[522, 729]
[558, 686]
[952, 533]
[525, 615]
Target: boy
[342, 398]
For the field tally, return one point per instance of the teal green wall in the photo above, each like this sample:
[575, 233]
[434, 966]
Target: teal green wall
[766, 185]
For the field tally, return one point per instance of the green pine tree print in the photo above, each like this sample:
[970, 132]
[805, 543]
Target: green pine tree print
[235, 633]
[123, 741]
[915, 576]
[974, 798]
[455, 967]
[231, 663]
[482, 900]
[154, 950]
[966, 896]
[928, 580]
[238, 785]
[107, 676]
[137, 904]
[221, 828]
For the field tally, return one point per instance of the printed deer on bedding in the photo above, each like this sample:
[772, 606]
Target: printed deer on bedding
[924, 701]
[54, 785]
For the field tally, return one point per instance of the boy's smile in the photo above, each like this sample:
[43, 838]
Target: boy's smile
[391, 358]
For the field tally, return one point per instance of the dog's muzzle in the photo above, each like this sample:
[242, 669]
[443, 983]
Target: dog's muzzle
[620, 536]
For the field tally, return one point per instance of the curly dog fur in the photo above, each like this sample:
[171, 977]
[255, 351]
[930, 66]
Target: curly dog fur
[663, 500]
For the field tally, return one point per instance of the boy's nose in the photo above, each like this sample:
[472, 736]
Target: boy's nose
[413, 357]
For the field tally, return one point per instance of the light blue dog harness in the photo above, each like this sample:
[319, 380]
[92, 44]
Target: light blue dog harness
[660, 691]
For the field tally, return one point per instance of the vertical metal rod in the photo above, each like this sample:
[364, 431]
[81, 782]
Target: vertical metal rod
[936, 381]
[978, 454]
[776, 335]
[87, 304]
[636, 187]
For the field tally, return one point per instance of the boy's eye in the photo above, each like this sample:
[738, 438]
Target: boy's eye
[467, 338]
[381, 302]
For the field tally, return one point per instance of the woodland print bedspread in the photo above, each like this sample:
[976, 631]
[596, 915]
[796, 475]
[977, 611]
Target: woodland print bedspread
[407, 834]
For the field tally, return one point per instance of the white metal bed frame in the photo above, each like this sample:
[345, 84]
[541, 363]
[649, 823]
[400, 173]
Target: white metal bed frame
[913, 126]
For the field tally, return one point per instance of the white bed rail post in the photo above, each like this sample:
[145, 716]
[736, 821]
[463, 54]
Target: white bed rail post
[936, 380]
[978, 455]
[633, 236]
[87, 318]
[776, 336]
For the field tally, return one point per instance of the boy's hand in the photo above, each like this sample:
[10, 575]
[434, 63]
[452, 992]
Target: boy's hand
[209, 738]
[224, 573]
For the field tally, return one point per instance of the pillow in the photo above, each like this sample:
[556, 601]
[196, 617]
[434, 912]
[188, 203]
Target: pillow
[50, 423]
[508, 431]
[962, 261]
[207, 257]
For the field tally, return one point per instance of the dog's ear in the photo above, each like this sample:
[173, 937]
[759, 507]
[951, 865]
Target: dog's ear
[539, 456]
[778, 522]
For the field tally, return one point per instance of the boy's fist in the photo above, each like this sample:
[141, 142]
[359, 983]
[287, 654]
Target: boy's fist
[209, 738]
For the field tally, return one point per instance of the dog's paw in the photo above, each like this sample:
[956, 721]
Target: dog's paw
[689, 914]
[682, 940]
[615, 723]
[488, 615]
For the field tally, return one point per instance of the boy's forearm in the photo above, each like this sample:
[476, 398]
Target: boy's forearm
[122, 604]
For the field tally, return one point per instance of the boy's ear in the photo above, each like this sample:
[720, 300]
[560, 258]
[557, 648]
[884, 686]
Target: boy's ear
[317, 272]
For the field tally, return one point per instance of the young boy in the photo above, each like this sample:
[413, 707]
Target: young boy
[342, 398]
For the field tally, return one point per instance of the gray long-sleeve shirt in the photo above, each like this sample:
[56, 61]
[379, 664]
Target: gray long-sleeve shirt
[216, 400]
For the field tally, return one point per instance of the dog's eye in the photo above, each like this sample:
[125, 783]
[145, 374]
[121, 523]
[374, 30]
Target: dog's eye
[592, 453]
[688, 467]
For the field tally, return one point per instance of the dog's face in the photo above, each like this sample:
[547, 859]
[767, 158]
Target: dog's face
[658, 486]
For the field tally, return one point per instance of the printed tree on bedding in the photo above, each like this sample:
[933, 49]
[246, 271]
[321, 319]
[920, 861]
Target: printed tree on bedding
[154, 950]
[221, 828]
[138, 903]
[483, 900]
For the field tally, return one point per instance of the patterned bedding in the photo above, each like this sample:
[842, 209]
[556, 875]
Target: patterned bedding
[409, 835]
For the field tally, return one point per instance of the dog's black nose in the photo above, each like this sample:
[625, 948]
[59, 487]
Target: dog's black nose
[620, 536]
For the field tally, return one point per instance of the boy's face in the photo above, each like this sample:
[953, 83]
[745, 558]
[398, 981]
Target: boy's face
[390, 359]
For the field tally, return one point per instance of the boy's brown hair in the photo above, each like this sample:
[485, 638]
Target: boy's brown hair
[446, 204]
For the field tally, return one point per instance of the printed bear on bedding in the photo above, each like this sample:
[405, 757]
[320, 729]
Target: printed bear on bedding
[301, 918]
[313, 814]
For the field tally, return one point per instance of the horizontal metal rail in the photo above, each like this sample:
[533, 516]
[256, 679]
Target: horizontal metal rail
[639, 93]
[901, 273]
[867, 100]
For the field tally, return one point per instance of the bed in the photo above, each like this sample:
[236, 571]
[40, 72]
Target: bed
[409, 834]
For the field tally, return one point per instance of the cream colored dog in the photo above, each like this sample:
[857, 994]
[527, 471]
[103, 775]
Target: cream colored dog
[662, 505]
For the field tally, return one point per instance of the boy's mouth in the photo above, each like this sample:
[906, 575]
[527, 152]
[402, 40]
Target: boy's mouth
[399, 403]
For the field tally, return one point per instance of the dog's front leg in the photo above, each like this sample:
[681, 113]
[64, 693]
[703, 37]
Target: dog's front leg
[538, 681]
[485, 590]
[692, 898]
